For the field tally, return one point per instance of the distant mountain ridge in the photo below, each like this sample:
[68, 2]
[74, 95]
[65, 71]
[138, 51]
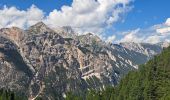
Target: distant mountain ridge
[41, 62]
[150, 82]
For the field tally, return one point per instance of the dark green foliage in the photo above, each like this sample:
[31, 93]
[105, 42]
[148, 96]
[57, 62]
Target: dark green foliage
[150, 82]
[71, 96]
[106, 94]
[8, 95]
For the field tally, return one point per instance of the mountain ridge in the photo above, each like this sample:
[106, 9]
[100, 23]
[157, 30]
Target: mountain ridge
[150, 82]
[60, 64]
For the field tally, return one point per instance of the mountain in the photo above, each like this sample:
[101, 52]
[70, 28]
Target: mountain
[150, 82]
[144, 48]
[41, 62]
[65, 31]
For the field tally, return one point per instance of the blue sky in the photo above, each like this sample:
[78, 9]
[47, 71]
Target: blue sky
[146, 13]
[46, 5]
[136, 15]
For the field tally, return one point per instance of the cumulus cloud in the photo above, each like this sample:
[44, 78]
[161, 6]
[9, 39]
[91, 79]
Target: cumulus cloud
[163, 30]
[131, 36]
[11, 16]
[83, 15]
[111, 38]
[138, 36]
[89, 15]
[165, 27]
[155, 34]
[94, 16]
[167, 22]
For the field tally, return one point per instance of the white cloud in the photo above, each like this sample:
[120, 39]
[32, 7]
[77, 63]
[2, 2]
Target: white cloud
[131, 36]
[84, 6]
[167, 22]
[88, 15]
[94, 16]
[163, 30]
[19, 18]
[153, 39]
[83, 15]
[155, 34]
[144, 36]
[111, 38]
[165, 27]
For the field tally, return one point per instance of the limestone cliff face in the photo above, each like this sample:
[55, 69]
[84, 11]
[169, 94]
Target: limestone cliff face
[14, 72]
[39, 62]
[14, 34]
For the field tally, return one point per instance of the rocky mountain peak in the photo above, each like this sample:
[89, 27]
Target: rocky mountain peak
[144, 48]
[39, 28]
[39, 24]
[65, 31]
[68, 29]
[89, 34]
[89, 38]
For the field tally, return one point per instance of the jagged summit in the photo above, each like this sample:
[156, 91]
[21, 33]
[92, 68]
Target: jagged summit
[39, 28]
[89, 38]
[65, 31]
[90, 34]
[39, 24]
[145, 48]
[68, 29]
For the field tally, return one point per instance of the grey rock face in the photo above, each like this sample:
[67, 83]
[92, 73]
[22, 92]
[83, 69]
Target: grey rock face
[14, 72]
[39, 62]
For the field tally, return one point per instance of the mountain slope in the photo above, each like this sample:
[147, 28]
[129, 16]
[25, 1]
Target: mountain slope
[14, 72]
[150, 82]
[40, 62]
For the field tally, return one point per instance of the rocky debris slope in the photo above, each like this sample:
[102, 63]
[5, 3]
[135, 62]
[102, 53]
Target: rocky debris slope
[40, 62]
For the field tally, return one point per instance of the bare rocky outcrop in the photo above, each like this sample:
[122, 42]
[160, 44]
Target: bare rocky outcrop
[39, 62]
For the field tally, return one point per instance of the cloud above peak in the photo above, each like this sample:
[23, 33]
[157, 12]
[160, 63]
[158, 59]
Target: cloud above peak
[131, 36]
[89, 15]
[83, 15]
[11, 16]
[84, 6]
